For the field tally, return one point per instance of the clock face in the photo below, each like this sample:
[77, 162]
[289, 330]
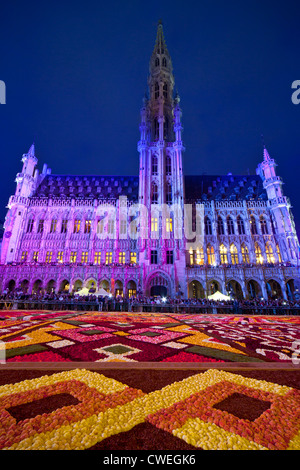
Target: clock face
[8, 234]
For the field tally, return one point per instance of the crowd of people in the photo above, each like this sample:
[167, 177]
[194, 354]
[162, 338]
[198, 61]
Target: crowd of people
[67, 300]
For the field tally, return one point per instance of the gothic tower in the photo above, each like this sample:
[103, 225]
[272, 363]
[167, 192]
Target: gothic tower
[161, 188]
[281, 216]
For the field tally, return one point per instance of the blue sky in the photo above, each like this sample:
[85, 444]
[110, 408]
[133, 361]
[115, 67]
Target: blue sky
[76, 72]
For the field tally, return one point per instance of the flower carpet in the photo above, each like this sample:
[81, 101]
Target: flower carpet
[81, 409]
[147, 337]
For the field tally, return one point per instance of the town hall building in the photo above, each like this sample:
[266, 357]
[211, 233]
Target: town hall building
[159, 232]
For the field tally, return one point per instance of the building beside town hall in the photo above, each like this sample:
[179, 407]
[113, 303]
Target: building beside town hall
[65, 232]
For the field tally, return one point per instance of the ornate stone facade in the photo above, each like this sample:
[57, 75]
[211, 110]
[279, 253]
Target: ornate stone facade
[159, 233]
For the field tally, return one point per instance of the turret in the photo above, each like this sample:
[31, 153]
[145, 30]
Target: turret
[280, 206]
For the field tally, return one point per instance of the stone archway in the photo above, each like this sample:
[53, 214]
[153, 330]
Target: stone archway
[119, 288]
[195, 290]
[213, 286]
[50, 287]
[290, 289]
[37, 286]
[131, 289]
[274, 290]
[64, 286]
[254, 289]
[235, 289]
[78, 284]
[158, 285]
[24, 286]
[104, 284]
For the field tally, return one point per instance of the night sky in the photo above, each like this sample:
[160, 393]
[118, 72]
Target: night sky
[76, 73]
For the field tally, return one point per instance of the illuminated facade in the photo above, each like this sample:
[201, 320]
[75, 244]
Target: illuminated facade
[158, 233]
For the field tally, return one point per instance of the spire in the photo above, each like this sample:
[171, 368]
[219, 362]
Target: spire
[160, 43]
[31, 151]
[266, 153]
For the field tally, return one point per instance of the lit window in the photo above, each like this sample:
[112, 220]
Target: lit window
[278, 254]
[108, 257]
[169, 225]
[35, 256]
[223, 254]
[258, 255]
[211, 259]
[199, 256]
[191, 256]
[87, 226]
[60, 255]
[269, 253]
[73, 256]
[133, 257]
[245, 254]
[154, 224]
[24, 255]
[48, 256]
[122, 257]
[53, 226]
[84, 256]
[97, 257]
[77, 225]
[234, 254]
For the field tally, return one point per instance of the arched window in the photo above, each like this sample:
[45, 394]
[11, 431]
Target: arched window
[245, 254]
[191, 256]
[199, 256]
[156, 62]
[220, 226]
[168, 165]
[211, 259]
[169, 193]
[278, 254]
[253, 226]
[234, 254]
[269, 253]
[258, 255]
[164, 62]
[156, 128]
[223, 254]
[165, 90]
[230, 226]
[207, 224]
[166, 127]
[263, 226]
[154, 165]
[154, 197]
[241, 226]
[156, 90]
